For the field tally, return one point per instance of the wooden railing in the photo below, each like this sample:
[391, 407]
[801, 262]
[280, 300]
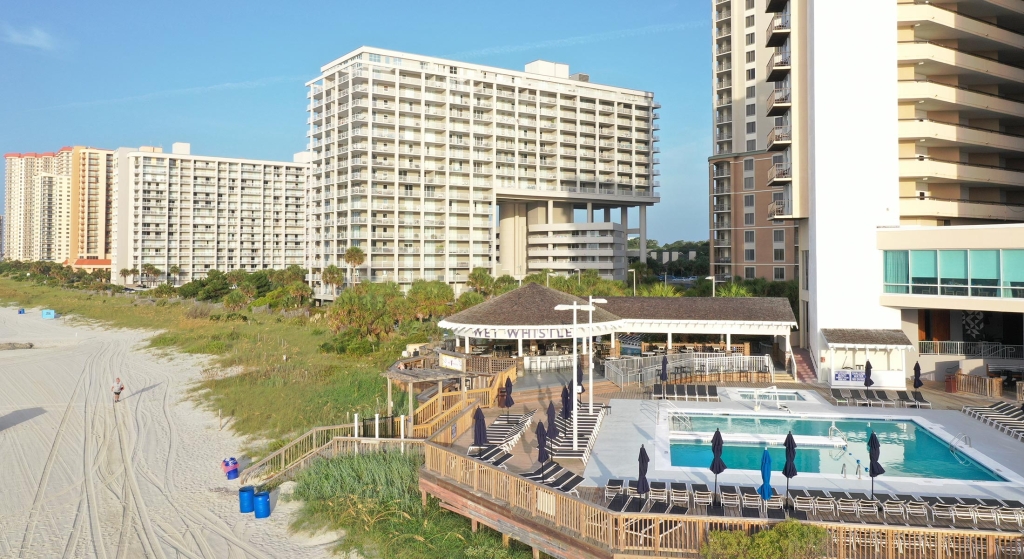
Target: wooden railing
[440, 402]
[293, 453]
[453, 403]
[646, 533]
[982, 386]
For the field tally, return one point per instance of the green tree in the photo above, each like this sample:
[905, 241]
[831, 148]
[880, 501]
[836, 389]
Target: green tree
[468, 299]
[215, 288]
[235, 300]
[732, 289]
[298, 293]
[124, 273]
[480, 279]
[372, 309]
[236, 277]
[134, 272]
[504, 284]
[658, 290]
[332, 276]
[173, 271]
[729, 544]
[430, 299]
[354, 257]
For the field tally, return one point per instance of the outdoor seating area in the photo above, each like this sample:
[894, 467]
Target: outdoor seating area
[586, 428]
[1007, 418]
[686, 392]
[556, 477]
[505, 431]
[879, 398]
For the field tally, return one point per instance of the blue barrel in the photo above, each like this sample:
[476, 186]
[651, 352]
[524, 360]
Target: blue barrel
[233, 473]
[245, 498]
[261, 504]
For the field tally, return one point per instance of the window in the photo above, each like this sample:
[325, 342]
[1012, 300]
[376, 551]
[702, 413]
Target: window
[453, 70]
[374, 58]
[751, 110]
[748, 236]
[748, 164]
[748, 183]
[751, 74]
[751, 92]
[750, 21]
[750, 38]
[748, 254]
[748, 201]
[751, 127]
[751, 145]
[779, 235]
[749, 272]
[750, 4]
[806, 258]
[751, 56]
[748, 219]
[779, 274]
[779, 255]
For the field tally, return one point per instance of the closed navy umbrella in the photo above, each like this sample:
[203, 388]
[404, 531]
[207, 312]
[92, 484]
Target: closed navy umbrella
[566, 410]
[579, 376]
[664, 369]
[552, 424]
[509, 402]
[789, 470]
[867, 375]
[642, 486]
[917, 375]
[717, 465]
[875, 469]
[479, 428]
[542, 443]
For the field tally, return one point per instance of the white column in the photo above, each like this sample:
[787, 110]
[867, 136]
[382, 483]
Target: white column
[669, 346]
[789, 354]
[590, 212]
[728, 341]
[575, 391]
[831, 363]
[466, 345]
[643, 233]
[520, 347]
[614, 335]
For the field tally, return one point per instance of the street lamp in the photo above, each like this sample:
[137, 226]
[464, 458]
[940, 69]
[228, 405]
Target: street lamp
[634, 281]
[579, 278]
[590, 350]
[713, 282]
[574, 307]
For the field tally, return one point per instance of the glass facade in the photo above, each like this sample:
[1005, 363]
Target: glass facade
[957, 273]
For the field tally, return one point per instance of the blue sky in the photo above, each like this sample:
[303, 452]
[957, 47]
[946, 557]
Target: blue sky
[227, 76]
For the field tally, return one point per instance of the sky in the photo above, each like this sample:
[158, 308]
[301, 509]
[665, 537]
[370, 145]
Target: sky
[228, 76]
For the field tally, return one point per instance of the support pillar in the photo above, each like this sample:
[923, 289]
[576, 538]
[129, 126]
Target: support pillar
[831, 363]
[643, 233]
[590, 212]
[462, 383]
[466, 344]
[412, 408]
[440, 388]
[607, 215]
[789, 354]
[669, 345]
[391, 403]
[624, 218]
[520, 347]
[728, 342]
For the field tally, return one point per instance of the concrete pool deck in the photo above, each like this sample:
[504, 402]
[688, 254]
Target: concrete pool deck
[631, 423]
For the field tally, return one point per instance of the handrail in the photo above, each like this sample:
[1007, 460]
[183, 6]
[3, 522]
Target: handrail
[953, 448]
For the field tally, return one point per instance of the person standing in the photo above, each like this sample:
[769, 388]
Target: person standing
[117, 388]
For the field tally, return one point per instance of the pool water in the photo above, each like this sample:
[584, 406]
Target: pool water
[907, 449]
[781, 395]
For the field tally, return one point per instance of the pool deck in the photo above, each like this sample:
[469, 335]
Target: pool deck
[632, 422]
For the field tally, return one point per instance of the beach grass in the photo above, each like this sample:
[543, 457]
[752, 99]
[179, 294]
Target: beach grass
[265, 374]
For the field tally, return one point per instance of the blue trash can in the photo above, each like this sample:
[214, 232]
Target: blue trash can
[245, 499]
[261, 504]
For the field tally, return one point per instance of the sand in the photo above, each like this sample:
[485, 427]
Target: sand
[83, 477]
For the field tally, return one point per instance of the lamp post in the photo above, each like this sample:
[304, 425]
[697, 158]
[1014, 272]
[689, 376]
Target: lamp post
[590, 350]
[713, 282]
[634, 281]
[579, 278]
[574, 307]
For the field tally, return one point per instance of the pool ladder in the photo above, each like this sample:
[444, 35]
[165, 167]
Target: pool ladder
[836, 433]
[957, 449]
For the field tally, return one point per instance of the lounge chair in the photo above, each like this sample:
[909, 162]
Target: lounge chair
[857, 399]
[560, 480]
[612, 488]
[659, 491]
[702, 392]
[677, 509]
[921, 402]
[802, 501]
[691, 392]
[713, 393]
[619, 503]
[679, 493]
[702, 496]
[499, 461]
[636, 504]
[891, 506]
[570, 486]
[547, 473]
[822, 502]
[657, 394]
[886, 401]
[750, 497]
[838, 398]
[869, 395]
[776, 514]
[631, 487]
[729, 497]
[905, 399]
[672, 391]
[659, 508]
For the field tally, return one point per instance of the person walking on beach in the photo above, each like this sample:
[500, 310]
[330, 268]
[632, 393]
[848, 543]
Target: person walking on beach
[117, 389]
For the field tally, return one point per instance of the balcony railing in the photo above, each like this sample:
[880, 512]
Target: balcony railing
[971, 349]
[780, 172]
[780, 208]
[778, 30]
[779, 101]
[780, 137]
[778, 66]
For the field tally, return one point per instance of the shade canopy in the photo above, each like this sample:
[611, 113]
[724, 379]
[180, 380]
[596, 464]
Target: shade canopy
[566, 409]
[552, 424]
[509, 402]
[918, 383]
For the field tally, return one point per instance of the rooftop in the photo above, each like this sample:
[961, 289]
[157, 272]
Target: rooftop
[530, 305]
[865, 337]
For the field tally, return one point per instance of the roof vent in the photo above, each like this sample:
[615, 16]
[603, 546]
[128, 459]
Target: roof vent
[580, 77]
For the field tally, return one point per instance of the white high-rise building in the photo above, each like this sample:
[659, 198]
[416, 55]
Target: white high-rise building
[38, 199]
[200, 213]
[435, 167]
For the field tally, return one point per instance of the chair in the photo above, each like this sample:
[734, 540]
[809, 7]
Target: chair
[729, 497]
[905, 399]
[915, 509]
[848, 506]
[612, 488]
[857, 399]
[750, 497]
[702, 392]
[672, 391]
[702, 496]
[802, 501]
[560, 481]
[631, 488]
[884, 397]
[869, 395]
[619, 503]
[659, 491]
[713, 394]
[892, 506]
[500, 460]
[679, 493]
[569, 487]
[919, 398]
[657, 394]
[691, 392]
[838, 398]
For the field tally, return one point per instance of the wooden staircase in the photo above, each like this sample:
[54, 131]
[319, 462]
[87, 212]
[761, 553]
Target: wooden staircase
[804, 365]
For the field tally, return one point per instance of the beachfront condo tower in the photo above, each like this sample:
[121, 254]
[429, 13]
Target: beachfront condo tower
[191, 213]
[435, 167]
[888, 143]
[38, 201]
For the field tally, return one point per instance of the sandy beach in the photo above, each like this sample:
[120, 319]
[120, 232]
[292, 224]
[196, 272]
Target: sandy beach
[83, 477]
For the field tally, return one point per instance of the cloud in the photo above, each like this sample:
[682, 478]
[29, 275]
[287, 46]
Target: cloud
[227, 86]
[581, 39]
[32, 37]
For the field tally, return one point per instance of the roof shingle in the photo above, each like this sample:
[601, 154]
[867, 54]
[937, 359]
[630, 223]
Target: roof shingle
[739, 309]
[865, 336]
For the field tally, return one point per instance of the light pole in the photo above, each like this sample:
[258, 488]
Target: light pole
[634, 281]
[590, 350]
[574, 307]
[579, 278]
[713, 282]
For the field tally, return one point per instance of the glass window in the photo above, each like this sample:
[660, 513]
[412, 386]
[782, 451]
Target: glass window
[924, 272]
[896, 271]
[748, 255]
[780, 274]
[779, 254]
[748, 219]
[984, 273]
[749, 273]
[748, 201]
[953, 272]
[748, 164]
[1013, 273]
[748, 236]
[779, 235]
[748, 183]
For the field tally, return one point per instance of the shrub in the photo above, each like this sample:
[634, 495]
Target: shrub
[359, 347]
[163, 290]
[198, 310]
[786, 540]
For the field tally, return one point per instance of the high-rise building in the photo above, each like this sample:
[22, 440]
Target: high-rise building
[434, 167]
[3, 236]
[188, 214]
[922, 227]
[38, 201]
[92, 199]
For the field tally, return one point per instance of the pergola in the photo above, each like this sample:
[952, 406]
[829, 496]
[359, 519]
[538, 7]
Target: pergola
[450, 365]
[852, 343]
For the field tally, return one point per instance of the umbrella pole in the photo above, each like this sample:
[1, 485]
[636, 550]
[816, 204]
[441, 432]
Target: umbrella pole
[787, 492]
[715, 494]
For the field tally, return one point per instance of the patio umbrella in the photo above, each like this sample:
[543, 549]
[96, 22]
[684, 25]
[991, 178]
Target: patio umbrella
[867, 375]
[479, 428]
[542, 443]
[642, 486]
[552, 424]
[717, 465]
[765, 491]
[664, 369]
[875, 469]
[579, 376]
[917, 375]
[509, 402]
[566, 410]
[789, 470]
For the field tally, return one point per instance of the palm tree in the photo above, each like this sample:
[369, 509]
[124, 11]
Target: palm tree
[150, 271]
[354, 257]
[332, 276]
[134, 271]
[481, 280]
[430, 298]
[658, 290]
[173, 271]
[730, 289]
[124, 273]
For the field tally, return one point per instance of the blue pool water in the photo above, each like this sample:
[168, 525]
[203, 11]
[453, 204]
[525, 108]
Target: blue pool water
[908, 450]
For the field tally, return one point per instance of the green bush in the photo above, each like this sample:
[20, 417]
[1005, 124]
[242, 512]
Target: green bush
[786, 540]
[359, 347]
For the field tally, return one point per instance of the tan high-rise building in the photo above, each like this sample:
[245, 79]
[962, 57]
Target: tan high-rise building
[38, 201]
[92, 196]
[921, 228]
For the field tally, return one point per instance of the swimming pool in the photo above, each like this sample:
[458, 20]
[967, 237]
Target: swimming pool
[908, 450]
[781, 395]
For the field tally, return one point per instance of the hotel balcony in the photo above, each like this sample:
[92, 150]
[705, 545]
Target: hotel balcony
[778, 31]
[780, 174]
[938, 24]
[944, 171]
[933, 133]
[775, 6]
[947, 208]
[934, 59]
[935, 96]
[780, 209]
[725, 207]
[780, 138]
[780, 101]
[778, 66]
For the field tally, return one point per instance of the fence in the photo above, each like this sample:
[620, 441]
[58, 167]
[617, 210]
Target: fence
[646, 371]
[982, 386]
[971, 349]
[287, 457]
